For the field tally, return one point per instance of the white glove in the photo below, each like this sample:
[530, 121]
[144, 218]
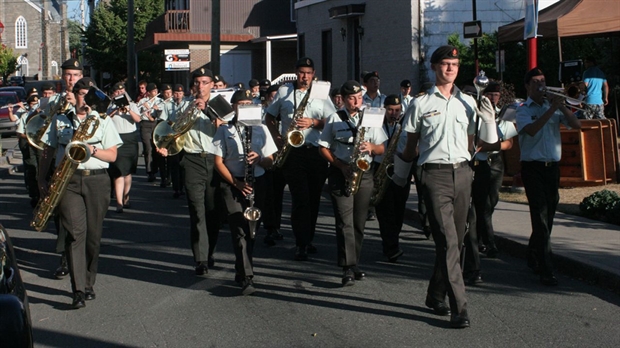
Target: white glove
[488, 128]
[401, 171]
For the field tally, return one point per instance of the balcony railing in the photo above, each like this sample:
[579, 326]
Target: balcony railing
[177, 21]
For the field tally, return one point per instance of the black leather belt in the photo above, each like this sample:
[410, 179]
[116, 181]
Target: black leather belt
[452, 166]
[541, 163]
[89, 172]
[200, 154]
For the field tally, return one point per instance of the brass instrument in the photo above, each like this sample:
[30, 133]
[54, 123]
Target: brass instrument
[382, 175]
[251, 213]
[146, 106]
[38, 123]
[171, 135]
[359, 164]
[294, 137]
[563, 92]
[76, 152]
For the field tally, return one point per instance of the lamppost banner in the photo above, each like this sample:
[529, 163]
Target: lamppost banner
[530, 29]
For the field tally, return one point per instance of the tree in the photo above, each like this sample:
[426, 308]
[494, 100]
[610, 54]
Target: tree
[75, 38]
[8, 62]
[106, 37]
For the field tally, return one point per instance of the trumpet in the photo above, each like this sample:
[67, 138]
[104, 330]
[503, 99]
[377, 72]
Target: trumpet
[561, 92]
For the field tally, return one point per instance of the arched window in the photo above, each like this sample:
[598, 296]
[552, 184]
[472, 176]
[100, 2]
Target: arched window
[21, 30]
[22, 63]
[54, 68]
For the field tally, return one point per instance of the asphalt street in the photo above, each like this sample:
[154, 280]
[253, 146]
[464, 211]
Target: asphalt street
[148, 295]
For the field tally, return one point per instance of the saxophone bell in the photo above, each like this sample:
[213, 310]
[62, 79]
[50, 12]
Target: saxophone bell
[77, 152]
[295, 138]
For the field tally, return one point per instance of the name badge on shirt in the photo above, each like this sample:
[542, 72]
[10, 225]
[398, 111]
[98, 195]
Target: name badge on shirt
[431, 114]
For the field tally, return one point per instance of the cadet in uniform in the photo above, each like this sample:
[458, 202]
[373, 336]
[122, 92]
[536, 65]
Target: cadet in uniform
[538, 124]
[337, 144]
[86, 199]
[30, 154]
[149, 115]
[305, 170]
[442, 124]
[125, 119]
[373, 96]
[405, 97]
[201, 181]
[231, 160]
[174, 108]
[391, 209]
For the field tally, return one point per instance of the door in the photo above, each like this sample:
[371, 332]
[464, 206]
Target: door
[236, 66]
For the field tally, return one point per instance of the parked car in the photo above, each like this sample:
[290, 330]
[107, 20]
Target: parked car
[17, 81]
[6, 125]
[21, 91]
[15, 320]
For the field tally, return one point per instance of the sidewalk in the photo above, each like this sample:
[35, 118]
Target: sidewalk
[582, 248]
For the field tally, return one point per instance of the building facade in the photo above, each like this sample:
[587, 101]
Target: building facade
[36, 31]
[395, 38]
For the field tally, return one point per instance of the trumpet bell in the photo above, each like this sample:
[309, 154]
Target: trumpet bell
[77, 152]
[295, 138]
[34, 130]
[165, 137]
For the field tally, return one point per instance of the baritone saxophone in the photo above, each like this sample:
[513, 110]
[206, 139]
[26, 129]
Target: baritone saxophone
[382, 175]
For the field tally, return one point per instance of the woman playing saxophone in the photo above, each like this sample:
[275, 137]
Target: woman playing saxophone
[340, 139]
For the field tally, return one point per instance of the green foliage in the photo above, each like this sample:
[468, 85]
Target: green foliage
[8, 62]
[107, 36]
[75, 37]
[599, 203]
[613, 213]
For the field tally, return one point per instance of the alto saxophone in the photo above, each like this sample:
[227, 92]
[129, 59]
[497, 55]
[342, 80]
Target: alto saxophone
[294, 136]
[76, 152]
[382, 176]
[251, 213]
[359, 164]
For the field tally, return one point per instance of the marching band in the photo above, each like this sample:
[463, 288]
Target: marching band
[234, 159]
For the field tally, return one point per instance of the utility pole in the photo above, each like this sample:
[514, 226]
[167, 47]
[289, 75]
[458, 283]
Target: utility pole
[215, 36]
[131, 51]
[83, 27]
[476, 63]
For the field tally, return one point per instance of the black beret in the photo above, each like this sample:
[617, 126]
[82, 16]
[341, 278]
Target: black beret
[32, 90]
[178, 88]
[265, 83]
[218, 78]
[444, 52]
[273, 88]
[253, 83]
[534, 72]
[150, 87]
[392, 99]
[334, 92]
[350, 87]
[242, 94]
[239, 85]
[32, 98]
[405, 83]
[72, 64]
[166, 87]
[370, 75]
[364, 74]
[48, 87]
[202, 72]
[492, 87]
[83, 83]
[118, 86]
[304, 62]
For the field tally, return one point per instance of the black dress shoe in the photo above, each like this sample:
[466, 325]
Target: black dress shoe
[78, 300]
[358, 273]
[474, 278]
[269, 241]
[210, 262]
[427, 232]
[247, 287]
[459, 321]
[482, 248]
[393, 257]
[201, 269]
[348, 277]
[371, 216]
[311, 249]
[439, 307]
[275, 234]
[62, 270]
[301, 254]
[89, 294]
[548, 280]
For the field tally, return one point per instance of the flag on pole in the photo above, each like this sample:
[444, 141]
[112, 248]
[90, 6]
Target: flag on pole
[530, 29]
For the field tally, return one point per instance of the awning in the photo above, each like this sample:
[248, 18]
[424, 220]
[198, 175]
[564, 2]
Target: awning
[569, 18]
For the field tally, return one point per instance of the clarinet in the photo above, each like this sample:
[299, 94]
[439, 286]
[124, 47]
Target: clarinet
[251, 213]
